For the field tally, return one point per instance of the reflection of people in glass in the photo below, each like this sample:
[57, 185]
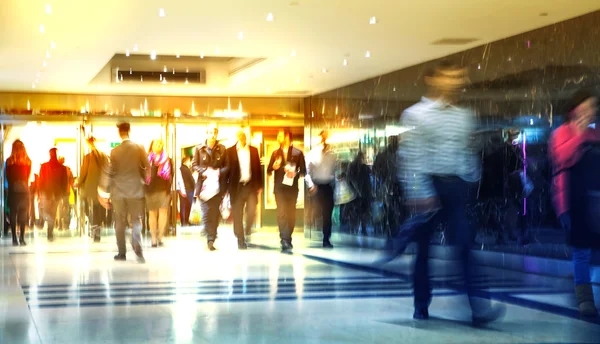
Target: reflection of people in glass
[287, 165]
[158, 191]
[124, 184]
[185, 187]
[65, 208]
[437, 164]
[359, 177]
[385, 171]
[245, 184]
[575, 155]
[93, 164]
[320, 177]
[18, 170]
[53, 186]
[211, 163]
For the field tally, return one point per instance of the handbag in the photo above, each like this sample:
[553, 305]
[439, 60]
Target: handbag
[196, 214]
[343, 193]
[225, 207]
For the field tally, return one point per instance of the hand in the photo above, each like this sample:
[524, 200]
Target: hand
[182, 194]
[581, 124]
[291, 174]
[276, 165]
[260, 190]
[313, 191]
[104, 202]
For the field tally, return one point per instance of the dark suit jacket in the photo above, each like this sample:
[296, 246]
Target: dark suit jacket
[294, 155]
[216, 157]
[256, 180]
[127, 172]
[53, 179]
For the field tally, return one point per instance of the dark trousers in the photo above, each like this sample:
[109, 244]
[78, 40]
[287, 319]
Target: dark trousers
[19, 206]
[453, 195]
[324, 208]
[49, 205]
[211, 216]
[286, 213]
[96, 215]
[246, 198]
[134, 209]
[185, 207]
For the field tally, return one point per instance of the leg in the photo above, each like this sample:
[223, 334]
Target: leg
[251, 203]
[581, 265]
[163, 217]
[421, 283]
[282, 220]
[182, 210]
[12, 216]
[22, 218]
[237, 209]
[120, 214]
[50, 205]
[136, 210]
[153, 223]
[210, 217]
[326, 204]
[188, 207]
[291, 199]
[98, 213]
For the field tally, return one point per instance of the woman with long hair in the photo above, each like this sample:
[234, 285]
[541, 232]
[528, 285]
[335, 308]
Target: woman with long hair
[158, 193]
[18, 170]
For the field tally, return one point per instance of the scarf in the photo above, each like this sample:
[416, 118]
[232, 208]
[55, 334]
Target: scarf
[162, 162]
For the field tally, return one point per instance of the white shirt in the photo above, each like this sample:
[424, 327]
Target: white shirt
[321, 164]
[244, 160]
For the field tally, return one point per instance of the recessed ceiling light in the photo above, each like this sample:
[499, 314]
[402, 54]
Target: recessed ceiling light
[345, 63]
[186, 81]
[293, 53]
[44, 63]
[48, 9]
[544, 14]
[164, 81]
[160, 77]
[173, 70]
[217, 51]
[135, 47]
[161, 12]
[141, 78]
[268, 90]
[153, 55]
[202, 55]
[164, 69]
[270, 17]
[240, 35]
[325, 70]
[127, 52]
[42, 29]
[298, 80]
[52, 45]
[33, 85]
[368, 54]
[177, 56]
[99, 87]
[187, 70]
[373, 21]
[37, 81]
[48, 54]
[130, 71]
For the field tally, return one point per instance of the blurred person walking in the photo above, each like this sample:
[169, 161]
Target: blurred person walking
[18, 171]
[91, 169]
[123, 183]
[574, 150]
[437, 164]
[185, 187]
[53, 186]
[158, 191]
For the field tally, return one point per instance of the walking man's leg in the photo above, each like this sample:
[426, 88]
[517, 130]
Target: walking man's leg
[119, 207]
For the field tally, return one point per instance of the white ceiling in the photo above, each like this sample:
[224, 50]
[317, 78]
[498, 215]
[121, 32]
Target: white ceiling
[88, 33]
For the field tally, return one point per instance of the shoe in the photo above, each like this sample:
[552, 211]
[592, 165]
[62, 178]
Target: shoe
[154, 245]
[327, 244]
[160, 244]
[51, 239]
[494, 313]
[141, 259]
[421, 314]
[23, 243]
[585, 299]
[242, 246]
[120, 257]
[286, 246]
[96, 239]
[211, 246]
[15, 243]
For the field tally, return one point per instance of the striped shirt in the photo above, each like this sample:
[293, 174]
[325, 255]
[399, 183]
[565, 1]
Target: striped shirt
[439, 142]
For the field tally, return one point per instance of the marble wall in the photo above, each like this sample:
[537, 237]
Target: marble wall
[519, 89]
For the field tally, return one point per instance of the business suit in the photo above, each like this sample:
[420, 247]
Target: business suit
[91, 169]
[214, 157]
[124, 183]
[286, 196]
[244, 192]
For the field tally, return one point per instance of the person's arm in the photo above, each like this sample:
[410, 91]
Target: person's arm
[84, 170]
[196, 163]
[271, 162]
[224, 170]
[104, 184]
[145, 165]
[307, 170]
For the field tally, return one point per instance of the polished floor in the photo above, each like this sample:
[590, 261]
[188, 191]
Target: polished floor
[71, 291]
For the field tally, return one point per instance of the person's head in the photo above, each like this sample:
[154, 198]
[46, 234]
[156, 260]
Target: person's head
[583, 104]
[18, 154]
[157, 146]
[446, 80]
[284, 137]
[393, 143]
[186, 160]
[124, 129]
[91, 141]
[241, 137]
[324, 135]
[212, 132]
[53, 153]
[61, 160]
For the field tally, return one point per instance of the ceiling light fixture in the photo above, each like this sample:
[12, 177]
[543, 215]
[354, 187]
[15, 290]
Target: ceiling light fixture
[44, 63]
[298, 80]
[130, 71]
[293, 53]
[33, 85]
[52, 45]
[368, 54]
[37, 81]
[142, 78]
[217, 51]
[161, 12]
[373, 21]
[345, 63]
[270, 17]
[135, 47]
[48, 54]
[127, 52]
[202, 55]
[164, 81]
[160, 77]
[177, 56]
[42, 29]
[153, 55]
[186, 81]
[173, 70]
[48, 9]
[325, 70]
[240, 35]
[164, 69]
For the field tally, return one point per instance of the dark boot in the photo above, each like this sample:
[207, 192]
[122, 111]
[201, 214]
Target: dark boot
[585, 299]
[96, 233]
[14, 236]
[22, 237]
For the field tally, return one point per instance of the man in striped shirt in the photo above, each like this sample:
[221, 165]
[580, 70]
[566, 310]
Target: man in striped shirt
[437, 163]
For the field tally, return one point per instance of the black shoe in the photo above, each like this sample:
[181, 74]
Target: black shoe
[140, 259]
[23, 243]
[96, 239]
[242, 246]
[421, 314]
[15, 243]
[120, 257]
[494, 313]
[286, 246]
[154, 245]
[160, 244]
[50, 239]
[327, 244]
[211, 246]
